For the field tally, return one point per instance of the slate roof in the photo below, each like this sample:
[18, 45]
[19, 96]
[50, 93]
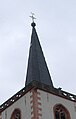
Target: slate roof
[37, 68]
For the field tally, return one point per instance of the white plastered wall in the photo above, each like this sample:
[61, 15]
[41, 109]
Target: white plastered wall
[48, 101]
[23, 104]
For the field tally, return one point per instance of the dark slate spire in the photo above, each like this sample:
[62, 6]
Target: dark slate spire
[37, 68]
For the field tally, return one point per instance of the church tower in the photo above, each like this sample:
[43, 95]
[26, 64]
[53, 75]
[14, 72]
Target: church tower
[39, 99]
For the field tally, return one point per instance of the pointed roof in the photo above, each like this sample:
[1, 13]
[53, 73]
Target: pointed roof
[37, 68]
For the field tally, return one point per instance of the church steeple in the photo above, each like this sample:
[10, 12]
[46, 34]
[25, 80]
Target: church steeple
[37, 69]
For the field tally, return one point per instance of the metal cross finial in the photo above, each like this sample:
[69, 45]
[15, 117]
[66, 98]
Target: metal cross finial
[32, 16]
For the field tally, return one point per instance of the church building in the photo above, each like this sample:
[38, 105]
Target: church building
[39, 99]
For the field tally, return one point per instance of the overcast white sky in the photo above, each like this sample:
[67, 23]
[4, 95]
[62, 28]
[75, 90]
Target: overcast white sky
[56, 28]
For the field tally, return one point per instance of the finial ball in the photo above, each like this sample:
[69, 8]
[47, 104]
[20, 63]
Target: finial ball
[33, 24]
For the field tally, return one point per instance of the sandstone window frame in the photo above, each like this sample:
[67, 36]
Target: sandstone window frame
[16, 114]
[61, 112]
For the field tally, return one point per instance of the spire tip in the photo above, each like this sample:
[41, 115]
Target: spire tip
[33, 23]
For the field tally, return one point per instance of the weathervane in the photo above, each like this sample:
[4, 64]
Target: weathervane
[32, 16]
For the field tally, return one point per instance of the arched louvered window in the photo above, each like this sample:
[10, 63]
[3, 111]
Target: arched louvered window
[60, 112]
[16, 114]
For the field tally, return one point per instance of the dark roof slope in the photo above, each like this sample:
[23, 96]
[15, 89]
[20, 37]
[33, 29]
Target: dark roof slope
[37, 68]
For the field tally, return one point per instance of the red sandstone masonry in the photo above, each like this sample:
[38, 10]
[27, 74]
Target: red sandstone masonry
[35, 101]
